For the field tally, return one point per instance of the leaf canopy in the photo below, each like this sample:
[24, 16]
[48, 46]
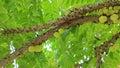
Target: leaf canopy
[75, 45]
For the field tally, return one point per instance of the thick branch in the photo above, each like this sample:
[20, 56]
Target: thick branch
[69, 20]
[45, 36]
[72, 15]
[42, 38]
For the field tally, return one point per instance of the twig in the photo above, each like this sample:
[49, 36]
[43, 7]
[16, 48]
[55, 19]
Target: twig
[28, 29]
[72, 15]
[104, 47]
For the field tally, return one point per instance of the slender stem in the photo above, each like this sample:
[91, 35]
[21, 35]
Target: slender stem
[104, 47]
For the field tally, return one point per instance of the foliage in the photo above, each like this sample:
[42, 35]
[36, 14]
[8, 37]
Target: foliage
[67, 47]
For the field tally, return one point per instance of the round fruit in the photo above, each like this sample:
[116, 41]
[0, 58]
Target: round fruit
[114, 17]
[100, 11]
[31, 49]
[102, 19]
[116, 7]
[105, 10]
[61, 30]
[57, 35]
[37, 48]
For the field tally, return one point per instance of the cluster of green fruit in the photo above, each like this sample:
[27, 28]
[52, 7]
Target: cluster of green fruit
[36, 48]
[57, 34]
[112, 12]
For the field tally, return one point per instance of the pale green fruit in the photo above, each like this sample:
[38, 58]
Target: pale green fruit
[37, 48]
[114, 17]
[116, 7]
[102, 19]
[105, 10]
[57, 34]
[61, 30]
[31, 49]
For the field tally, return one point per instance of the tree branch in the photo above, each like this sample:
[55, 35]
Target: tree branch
[65, 22]
[45, 36]
[104, 47]
[72, 15]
